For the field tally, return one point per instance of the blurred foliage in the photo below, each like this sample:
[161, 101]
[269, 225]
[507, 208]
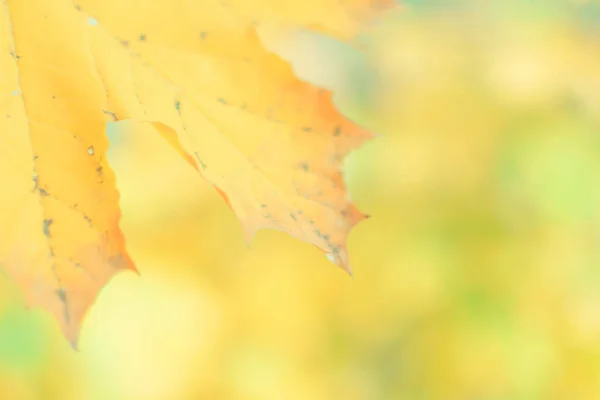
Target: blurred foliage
[477, 278]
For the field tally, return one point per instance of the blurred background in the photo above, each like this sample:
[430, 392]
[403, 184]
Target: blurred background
[477, 277]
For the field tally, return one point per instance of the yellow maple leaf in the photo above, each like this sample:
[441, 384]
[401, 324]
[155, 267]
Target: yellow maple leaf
[271, 144]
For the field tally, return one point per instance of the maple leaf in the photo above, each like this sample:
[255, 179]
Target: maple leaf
[271, 144]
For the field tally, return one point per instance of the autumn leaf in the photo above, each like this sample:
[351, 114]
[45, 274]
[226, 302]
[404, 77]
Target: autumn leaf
[197, 71]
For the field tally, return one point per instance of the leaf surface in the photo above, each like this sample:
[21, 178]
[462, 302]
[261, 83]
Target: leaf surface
[59, 213]
[271, 144]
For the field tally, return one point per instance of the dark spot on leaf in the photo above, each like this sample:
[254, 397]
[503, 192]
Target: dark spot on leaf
[142, 37]
[203, 35]
[199, 160]
[62, 295]
[304, 166]
[43, 192]
[293, 216]
[263, 205]
[47, 223]
[111, 114]
[222, 101]
[178, 105]
[337, 131]
[307, 129]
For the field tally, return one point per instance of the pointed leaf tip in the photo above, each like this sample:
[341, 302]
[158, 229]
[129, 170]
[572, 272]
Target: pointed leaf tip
[346, 267]
[337, 260]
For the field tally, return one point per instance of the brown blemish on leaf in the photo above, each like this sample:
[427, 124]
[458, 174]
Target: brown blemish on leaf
[62, 295]
[110, 114]
[47, 224]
